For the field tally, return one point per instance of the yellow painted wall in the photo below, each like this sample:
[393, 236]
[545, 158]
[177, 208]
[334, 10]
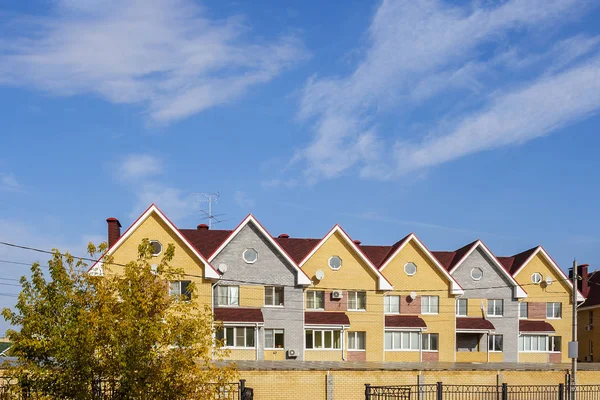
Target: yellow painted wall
[354, 274]
[427, 278]
[402, 356]
[154, 228]
[584, 336]
[323, 355]
[558, 291]
[241, 354]
[252, 296]
[474, 307]
[274, 355]
[471, 356]
[496, 357]
[533, 357]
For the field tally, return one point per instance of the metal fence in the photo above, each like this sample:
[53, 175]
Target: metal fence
[440, 391]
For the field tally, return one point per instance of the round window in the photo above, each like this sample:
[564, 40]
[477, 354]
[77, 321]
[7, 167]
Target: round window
[156, 247]
[410, 268]
[335, 262]
[250, 256]
[476, 274]
[536, 278]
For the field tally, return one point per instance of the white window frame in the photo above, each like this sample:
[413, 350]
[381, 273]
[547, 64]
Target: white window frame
[492, 343]
[387, 305]
[458, 314]
[322, 333]
[523, 339]
[329, 263]
[552, 305]
[551, 344]
[186, 296]
[355, 335]
[427, 310]
[493, 308]
[228, 296]
[272, 289]
[275, 332]
[235, 337]
[426, 338]
[535, 281]
[476, 269]
[161, 247]
[410, 263]
[313, 293]
[353, 295]
[244, 255]
[526, 308]
[400, 336]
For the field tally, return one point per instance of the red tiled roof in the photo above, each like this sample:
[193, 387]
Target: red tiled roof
[513, 263]
[236, 314]
[474, 324]
[526, 325]
[404, 321]
[450, 258]
[206, 241]
[297, 248]
[376, 253]
[325, 318]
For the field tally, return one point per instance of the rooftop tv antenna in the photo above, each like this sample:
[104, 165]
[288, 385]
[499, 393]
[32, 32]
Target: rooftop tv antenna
[210, 198]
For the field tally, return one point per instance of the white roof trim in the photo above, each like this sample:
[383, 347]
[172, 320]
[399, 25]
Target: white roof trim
[553, 264]
[518, 291]
[382, 282]
[302, 279]
[209, 271]
[455, 287]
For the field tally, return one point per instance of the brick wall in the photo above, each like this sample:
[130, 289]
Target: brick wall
[336, 304]
[410, 306]
[536, 310]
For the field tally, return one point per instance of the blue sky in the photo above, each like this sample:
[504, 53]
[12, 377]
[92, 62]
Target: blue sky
[455, 120]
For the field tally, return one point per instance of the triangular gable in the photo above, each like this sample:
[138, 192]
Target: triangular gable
[455, 287]
[382, 282]
[519, 293]
[209, 271]
[553, 264]
[302, 278]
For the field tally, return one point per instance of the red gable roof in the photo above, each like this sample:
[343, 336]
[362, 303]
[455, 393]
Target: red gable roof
[377, 254]
[297, 248]
[325, 318]
[513, 263]
[450, 258]
[206, 241]
[526, 325]
[468, 323]
[404, 321]
[236, 314]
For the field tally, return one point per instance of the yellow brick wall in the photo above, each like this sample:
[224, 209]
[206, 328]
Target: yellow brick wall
[274, 355]
[496, 357]
[241, 354]
[154, 228]
[252, 296]
[354, 274]
[402, 356]
[471, 356]
[558, 291]
[428, 280]
[323, 355]
[584, 336]
[474, 307]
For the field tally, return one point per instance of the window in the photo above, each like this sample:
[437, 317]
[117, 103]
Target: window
[156, 247]
[591, 318]
[533, 343]
[554, 343]
[430, 304]
[392, 304]
[274, 339]
[401, 340]
[495, 343]
[461, 307]
[476, 274]
[536, 278]
[180, 288]
[356, 340]
[467, 342]
[335, 262]
[410, 269]
[357, 301]
[554, 310]
[523, 310]
[273, 295]
[495, 308]
[228, 295]
[237, 336]
[430, 341]
[323, 339]
[315, 300]
[250, 256]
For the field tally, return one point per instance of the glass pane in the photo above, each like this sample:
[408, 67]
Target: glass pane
[388, 340]
[521, 347]
[498, 342]
[360, 340]
[352, 340]
[395, 304]
[386, 304]
[352, 300]
[425, 341]
[534, 343]
[278, 296]
[491, 342]
[523, 310]
[234, 295]
[557, 343]
[174, 288]
[414, 340]
[269, 295]
[424, 304]
[396, 340]
[405, 340]
[222, 295]
[328, 340]
[462, 307]
[336, 340]
[240, 337]
[269, 339]
[220, 334]
[434, 304]
[309, 339]
[320, 300]
[249, 337]
[362, 300]
[310, 300]
[433, 341]
[229, 334]
[318, 339]
[279, 339]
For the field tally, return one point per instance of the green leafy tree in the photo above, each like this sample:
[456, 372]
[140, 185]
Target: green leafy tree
[121, 331]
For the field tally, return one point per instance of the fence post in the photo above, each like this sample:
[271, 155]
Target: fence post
[504, 391]
[561, 391]
[439, 389]
[367, 391]
[242, 389]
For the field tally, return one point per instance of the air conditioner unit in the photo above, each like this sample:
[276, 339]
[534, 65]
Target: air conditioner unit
[337, 294]
[291, 353]
[589, 327]
[588, 358]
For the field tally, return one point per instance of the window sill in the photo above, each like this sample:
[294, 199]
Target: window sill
[495, 316]
[270, 306]
[553, 318]
[430, 351]
[322, 349]
[238, 348]
[227, 305]
[495, 351]
[315, 309]
[357, 310]
[274, 349]
[403, 351]
[430, 313]
[359, 350]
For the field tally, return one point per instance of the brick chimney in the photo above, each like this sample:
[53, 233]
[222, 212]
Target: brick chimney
[114, 231]
[582, 283]
[202, 227]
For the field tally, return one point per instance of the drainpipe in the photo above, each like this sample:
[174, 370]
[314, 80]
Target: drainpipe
[421, 345]
[488, 346]
[212, 309]
[342, 344]
[256, 339]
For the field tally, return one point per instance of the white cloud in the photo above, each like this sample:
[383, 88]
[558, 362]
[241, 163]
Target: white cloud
[137, 166]
[175, 203]
[165, 54]
[9, 183]
[242, 200]
[419, 49]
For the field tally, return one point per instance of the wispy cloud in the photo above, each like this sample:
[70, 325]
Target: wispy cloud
[9, 183]
[176, 203]
[138, 166]
[243, 200]
[419, 50]
[167, 55]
